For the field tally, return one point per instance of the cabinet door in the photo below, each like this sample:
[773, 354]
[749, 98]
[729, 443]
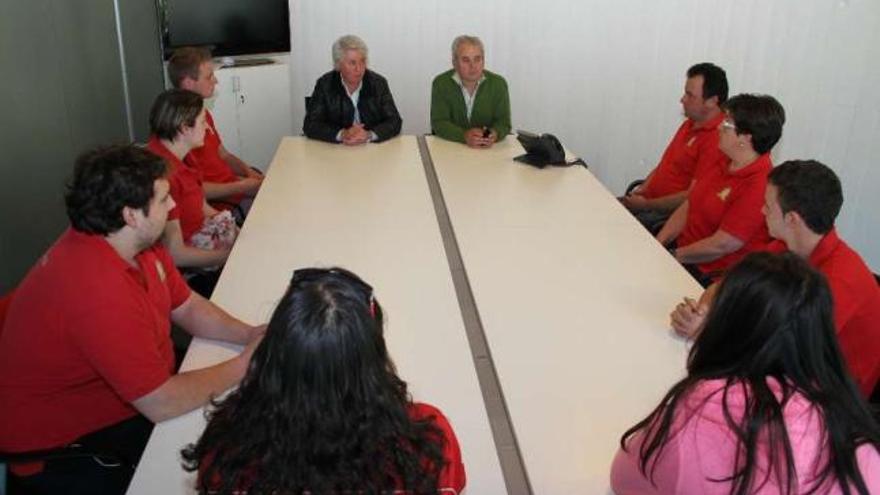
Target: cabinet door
[223, 108]
[263, 112]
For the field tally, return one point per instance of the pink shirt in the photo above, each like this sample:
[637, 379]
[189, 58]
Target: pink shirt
[702, 447]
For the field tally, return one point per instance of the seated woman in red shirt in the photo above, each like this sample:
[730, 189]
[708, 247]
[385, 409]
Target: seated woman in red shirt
[767, 405]
[721, 220]
[322, 410]
[196, 234]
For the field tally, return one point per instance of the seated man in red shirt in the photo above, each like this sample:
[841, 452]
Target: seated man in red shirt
[694, 145]
[86, 356]
[801, 201]
[226, 179]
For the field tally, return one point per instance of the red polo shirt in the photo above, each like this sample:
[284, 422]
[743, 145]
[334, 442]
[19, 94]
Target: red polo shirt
[693, 147]
[85, 335]
[207, 161]
[186, 189]
[732, 202]
[856, 306]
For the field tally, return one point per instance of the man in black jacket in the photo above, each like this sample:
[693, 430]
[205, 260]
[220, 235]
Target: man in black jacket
[350, 104]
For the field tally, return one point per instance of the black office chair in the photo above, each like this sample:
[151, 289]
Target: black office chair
[633, 185]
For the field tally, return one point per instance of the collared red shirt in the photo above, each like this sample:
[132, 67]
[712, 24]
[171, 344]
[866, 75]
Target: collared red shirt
[732, 202]
[212, 168]
[468, 97]
[693, 148]
[856, 305]
[86, 334]
[185, 184]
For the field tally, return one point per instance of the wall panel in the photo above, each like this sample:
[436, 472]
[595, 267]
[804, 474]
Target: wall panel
[606, 76]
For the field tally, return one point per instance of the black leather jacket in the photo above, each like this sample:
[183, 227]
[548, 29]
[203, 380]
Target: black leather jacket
[329, 109]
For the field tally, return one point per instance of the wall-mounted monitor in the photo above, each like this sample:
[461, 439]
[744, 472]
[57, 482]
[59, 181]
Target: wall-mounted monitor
[227, 27]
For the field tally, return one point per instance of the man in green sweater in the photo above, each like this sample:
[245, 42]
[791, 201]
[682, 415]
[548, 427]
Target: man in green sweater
[469, 104]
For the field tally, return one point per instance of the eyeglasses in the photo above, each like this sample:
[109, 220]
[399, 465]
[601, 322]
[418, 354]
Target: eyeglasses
[727, 125]
[304, 275]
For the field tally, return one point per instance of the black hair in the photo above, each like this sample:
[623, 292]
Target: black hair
[173, 109]
[714, 80]
[771, 319]
[811, 189]
[321, 408]
[107, 179]
[759, 115]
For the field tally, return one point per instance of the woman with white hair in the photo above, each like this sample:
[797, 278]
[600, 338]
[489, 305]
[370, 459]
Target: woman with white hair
[351, 104]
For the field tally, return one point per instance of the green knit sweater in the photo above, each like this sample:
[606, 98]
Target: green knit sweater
[449, 113]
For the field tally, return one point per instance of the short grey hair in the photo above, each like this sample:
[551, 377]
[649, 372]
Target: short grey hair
[345, 43]
[466, 39]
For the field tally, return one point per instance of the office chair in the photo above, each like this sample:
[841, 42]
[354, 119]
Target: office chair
[633, 185]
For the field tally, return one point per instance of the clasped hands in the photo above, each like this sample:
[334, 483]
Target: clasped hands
[688, 317]
[356, 134]
[474, 138]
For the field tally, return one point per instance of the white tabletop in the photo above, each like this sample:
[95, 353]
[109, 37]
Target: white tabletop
[574, 298]
[367, 209]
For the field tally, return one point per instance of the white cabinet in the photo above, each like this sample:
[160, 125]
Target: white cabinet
[251, 109]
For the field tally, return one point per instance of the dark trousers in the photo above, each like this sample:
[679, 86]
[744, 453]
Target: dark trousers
[202, 281]
[121, 444]
[702, 278]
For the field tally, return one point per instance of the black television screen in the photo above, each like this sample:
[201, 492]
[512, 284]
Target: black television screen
[228, 27]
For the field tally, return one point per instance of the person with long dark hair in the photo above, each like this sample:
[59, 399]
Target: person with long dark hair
[321, 408]
[767, 405]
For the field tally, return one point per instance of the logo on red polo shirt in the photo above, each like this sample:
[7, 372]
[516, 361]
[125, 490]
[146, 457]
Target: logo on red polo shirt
[724, 193]
[160, 270]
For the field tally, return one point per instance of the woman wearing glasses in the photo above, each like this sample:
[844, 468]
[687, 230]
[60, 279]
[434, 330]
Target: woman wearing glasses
[322, 410]
[721, 221]
[767, 405]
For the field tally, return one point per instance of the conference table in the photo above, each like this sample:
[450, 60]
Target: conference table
[574, 296]
[367, 209]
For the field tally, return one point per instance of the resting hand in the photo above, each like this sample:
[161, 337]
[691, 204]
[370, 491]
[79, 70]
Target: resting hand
[251, 184]
[635, 202]
[688, 317]
[474, 138]
[354, 135]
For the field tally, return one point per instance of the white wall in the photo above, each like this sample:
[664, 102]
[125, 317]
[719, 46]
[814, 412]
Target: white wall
[605, 75]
